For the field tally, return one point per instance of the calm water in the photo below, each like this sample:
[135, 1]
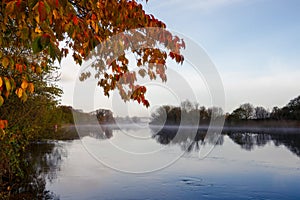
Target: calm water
[139, 164]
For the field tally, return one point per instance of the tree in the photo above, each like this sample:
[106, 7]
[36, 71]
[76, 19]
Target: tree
[237, 114]
[276, 113]
[105, 116]
[248, 110]
[289, 112]
[35, 33]
[293, 109]
[215, 112]
[186, 106]
[261, 113]
[245, 111]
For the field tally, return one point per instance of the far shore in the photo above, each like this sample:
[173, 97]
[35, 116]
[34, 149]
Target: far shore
[68, 131]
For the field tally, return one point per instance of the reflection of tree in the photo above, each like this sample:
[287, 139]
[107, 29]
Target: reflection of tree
[191, 139]
[44, 160]
[249, 140]
[101, 132]
[187, 139]
[290, 141]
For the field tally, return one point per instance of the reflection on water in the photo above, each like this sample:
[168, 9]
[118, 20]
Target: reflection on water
[186, 139]
[247, 140]
[44, 162]
[240, 167]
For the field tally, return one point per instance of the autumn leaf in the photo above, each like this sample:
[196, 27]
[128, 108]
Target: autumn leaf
[24, 84]
[19, 92]
[5, 62]
[75, 20]
[30, 87]
[3, 124]
[7, 84]
[24, 96]
[19, 67]
[43, 29]
[1, 100]
[42, 11]
[1, 82]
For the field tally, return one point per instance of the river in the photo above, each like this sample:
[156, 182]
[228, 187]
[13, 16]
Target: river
[139, 163]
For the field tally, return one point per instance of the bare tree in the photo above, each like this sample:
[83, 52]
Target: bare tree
[248, 110]
[261, 113]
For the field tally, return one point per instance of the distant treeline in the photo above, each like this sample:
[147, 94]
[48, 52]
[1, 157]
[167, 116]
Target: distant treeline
[246, 114]
[99, 116]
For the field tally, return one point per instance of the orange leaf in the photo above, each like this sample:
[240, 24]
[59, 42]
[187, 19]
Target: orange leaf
[19, 67]
[24, 84]
[19, 92]
[30, 87]
[94, 17]
[3, 124]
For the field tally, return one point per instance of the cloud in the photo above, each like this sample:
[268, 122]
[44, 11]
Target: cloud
[268, 90]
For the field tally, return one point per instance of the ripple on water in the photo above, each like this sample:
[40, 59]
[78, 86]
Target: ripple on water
[194, 182]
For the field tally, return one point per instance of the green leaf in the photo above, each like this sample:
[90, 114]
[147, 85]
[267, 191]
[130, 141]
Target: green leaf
[36, 45]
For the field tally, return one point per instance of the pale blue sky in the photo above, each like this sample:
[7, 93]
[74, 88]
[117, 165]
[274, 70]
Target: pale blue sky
[255, 45]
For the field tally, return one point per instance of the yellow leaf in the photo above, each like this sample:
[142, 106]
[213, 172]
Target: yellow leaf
[7, 84]
[1, 82]
[19, 92]
[37, 19]
[5, 62]
[1, 100]
[24, 96]
[38, 70]
[37, 30]
[55, 14]
[30, 87]
[24, 84]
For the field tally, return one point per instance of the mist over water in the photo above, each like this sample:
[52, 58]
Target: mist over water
[242, 165]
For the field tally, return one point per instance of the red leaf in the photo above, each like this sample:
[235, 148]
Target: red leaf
[3, 124]
[94, 17]
[18, 3]
[42, 11]
[75, 20]
[172, 55]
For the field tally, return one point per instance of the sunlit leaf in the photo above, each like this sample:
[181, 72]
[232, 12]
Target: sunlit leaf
[24, 84]
[19, 92]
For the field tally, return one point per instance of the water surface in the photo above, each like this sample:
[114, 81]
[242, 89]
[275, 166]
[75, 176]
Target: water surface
[241, 166]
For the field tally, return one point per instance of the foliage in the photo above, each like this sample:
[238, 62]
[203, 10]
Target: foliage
[187, 114]
[35, 33]
[289, 112]
[245, 111]
[261, 113]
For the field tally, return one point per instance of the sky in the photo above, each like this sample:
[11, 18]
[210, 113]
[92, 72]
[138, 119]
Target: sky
[254, 45]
